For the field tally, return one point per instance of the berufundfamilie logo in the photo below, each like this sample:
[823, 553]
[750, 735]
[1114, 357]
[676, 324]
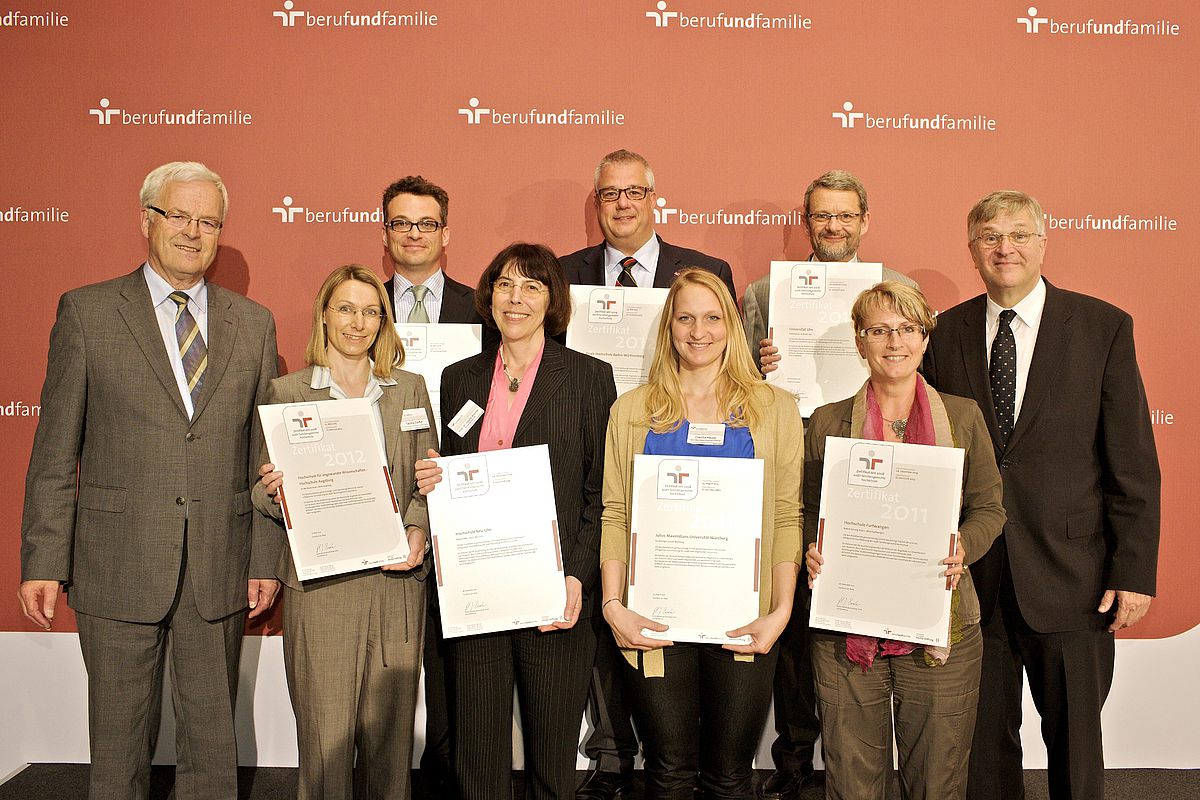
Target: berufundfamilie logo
[808, 280]
[741, 19]
[415, 339]
[469, 476]
[289, 212]
[478, 114]
[848, 117]
[20, 214]
[1032, 23]
[870, 464]
[664, 214]
[105, 114]
[303, 424]
[44, 19]
[291, 17]
[678, 479]
[1125, 223]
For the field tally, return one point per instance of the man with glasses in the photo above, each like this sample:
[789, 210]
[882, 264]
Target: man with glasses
[836, 217]
[137, 499]
[415, 235]
[1057, 379]
[631, 253]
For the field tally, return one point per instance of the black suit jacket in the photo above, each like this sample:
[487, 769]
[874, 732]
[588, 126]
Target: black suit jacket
[586, 266]
[1080, 469]
[567, 410]
[458, 305]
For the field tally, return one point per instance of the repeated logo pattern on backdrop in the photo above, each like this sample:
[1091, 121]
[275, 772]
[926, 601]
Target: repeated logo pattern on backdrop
[309, 108]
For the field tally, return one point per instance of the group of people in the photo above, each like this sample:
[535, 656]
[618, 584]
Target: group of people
[151, 500]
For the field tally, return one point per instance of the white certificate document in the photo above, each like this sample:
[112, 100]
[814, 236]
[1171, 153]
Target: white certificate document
[617, 325]
[339, 507]
[495, 542]
[889, 514]
[809, 319]
[430, 348]
[695, 543]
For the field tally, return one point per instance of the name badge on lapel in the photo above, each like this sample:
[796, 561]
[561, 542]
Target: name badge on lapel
[466, 417]
[414, 419]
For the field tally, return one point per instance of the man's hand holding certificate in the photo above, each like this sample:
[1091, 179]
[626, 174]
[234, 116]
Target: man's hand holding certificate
[889, 516]
[339, 507]
[618, 325]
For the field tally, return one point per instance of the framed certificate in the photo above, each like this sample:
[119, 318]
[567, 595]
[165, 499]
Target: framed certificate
[495, 542]
[430, 348]
[617, 325]
[339, 507]
[695, 545]
[809, 319]
[889, 513]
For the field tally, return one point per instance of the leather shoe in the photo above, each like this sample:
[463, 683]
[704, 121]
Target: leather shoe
[602, 785]
[786, 784]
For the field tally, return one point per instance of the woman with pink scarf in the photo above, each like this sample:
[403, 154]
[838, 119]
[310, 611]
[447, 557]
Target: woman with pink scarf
[862, 681]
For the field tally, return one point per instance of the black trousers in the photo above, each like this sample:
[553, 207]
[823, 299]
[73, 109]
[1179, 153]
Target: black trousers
[550, 672]
[1070, 674]
[796, 723]
[705, 716]
[612, 744]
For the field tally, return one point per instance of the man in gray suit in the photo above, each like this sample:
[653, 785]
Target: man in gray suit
[137, 500]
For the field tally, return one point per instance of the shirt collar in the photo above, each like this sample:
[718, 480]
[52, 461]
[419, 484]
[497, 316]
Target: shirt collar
[160, 290]
[852, 260]
[435, 283]
[322, 378]
[1029, 310]
[646, 255]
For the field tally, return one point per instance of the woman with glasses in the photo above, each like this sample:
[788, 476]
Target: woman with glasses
[533, 391]
[700, 708]
[862, 680]
[352, 643]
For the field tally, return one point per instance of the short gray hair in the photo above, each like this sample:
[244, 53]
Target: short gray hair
[623, 157]
[1005, 201]
[180, 171]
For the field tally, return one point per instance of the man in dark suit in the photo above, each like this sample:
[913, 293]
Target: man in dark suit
[420, 291]
[631, 253]
[1057, 379]
[137, 500]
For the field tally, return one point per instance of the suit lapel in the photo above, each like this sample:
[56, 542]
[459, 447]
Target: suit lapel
[222, 333]
[668, 265]
[391, 408]
[139, 315]
[973, 344]
[478, 387]
[551, 375]
[593, 260]
[1054, 333]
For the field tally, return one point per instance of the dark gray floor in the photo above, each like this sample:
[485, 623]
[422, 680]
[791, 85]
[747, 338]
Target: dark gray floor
[69, 782]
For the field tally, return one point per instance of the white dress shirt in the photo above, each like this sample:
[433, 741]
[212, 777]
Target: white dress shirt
[1025, 327]
[322, 378]
[403, 300]
[643, 272]
[164, 311]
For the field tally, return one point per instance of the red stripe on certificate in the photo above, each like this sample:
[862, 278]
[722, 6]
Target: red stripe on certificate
[287, 518]
[632, 559]
[953, 548]
[557, 548]
[437, 561]
[387, 476]
[757, 561]
[821, 535]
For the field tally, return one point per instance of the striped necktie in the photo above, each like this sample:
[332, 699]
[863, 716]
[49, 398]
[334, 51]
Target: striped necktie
[192, 351]
[418, 313]
[626, 277]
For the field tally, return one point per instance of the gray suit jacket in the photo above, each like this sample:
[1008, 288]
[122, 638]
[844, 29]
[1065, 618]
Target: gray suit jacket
[756, 303]
[117, 467]
[404, 448]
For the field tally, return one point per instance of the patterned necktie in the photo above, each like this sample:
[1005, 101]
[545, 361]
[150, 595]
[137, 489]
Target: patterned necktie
[192, 351]
[418, 313]
[1003, 373]
[626, 277]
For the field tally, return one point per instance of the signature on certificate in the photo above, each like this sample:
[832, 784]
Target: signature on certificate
[848, 604]
[475, 607]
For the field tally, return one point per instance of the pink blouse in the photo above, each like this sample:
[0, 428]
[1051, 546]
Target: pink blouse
[499, 419]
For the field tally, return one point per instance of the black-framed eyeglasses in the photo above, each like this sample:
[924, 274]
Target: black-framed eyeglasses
[991, 241]
[401, 225]
[610, 194]
[844, 217]
[881, 333]
[179, 220]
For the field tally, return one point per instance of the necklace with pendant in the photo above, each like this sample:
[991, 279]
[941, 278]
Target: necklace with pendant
[513, 383]
[898, 426]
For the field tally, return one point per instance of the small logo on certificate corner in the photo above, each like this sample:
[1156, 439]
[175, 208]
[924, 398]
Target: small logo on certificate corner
[870, 464]
[303, 424]
[606, 305]
[808, 280]
[468, 477]
[678, 479]
[415, 340]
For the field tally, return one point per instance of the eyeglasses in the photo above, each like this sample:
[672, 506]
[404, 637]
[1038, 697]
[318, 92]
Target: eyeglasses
[506, 286]
[990, 241]
[845, 217]
[609, 194]
[179, 220]
[401, 225]
[346, 312]
[881, 333]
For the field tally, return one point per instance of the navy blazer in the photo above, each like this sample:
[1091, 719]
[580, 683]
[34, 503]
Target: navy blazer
[586, 266]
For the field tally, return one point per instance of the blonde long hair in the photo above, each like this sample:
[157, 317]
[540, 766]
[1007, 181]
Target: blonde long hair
[738, 386]
[386, 351]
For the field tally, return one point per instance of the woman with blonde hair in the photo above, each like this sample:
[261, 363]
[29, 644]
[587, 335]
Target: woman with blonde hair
[706, 712]
[352, 643]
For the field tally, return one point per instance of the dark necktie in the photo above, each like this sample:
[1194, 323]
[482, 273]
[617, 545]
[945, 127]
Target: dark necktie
[626, 277]
[1003, 373]
[192, 351]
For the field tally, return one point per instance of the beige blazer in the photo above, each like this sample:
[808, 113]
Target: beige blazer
[404, 448]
